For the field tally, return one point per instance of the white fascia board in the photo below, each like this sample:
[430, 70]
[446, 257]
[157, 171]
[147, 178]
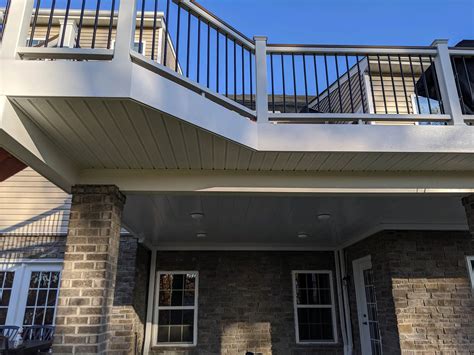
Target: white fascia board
[365, 138]
[60, 78]
[176, 100]
[22, 138]
[182, 181]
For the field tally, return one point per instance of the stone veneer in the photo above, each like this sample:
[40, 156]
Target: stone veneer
[246, 301]
[83, 318]
[425, 300]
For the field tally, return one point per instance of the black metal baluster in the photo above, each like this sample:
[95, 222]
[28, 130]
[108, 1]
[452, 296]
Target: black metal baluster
[305, 83]
[217, 60]
[178, 30]
[425, 84]
[142, 21]
[235, 71]
[111, 24]
[435, 78]
[251, 79]
[243, 75]
[198, 64]
[393, 83]
[79, 26]
[188, 43]
[66, 16]
[381, 82]
[350, 84]
[414, 84]
[208, 54]
[153, 44]
[338, 84]
[96, 23]
[456, 76]
[359, 74]
[327, 82]
[273, 83]
[226, 65]
[294, 81]
[316, 81]
[404, 85]
[50, 23]
[371, 84]
[283, 81]
[33, 26]
[166, 31]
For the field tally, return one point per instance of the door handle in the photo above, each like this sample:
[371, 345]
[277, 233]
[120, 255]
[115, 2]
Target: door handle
[365, 323]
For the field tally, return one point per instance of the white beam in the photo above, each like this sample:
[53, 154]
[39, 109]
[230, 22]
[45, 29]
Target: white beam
[16, 31]
[179, 181]
[261, 100]
[447, 83]
[23, 139]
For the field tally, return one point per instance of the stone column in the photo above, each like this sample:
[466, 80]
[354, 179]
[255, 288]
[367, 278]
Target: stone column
[90, 266]
[468, 203]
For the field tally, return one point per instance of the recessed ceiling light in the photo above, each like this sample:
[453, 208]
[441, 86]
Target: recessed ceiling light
[324, 216]
[201, 235]
[302, 235]
[197, 216]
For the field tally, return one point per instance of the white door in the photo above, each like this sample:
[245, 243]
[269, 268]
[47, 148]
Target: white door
[370, 339]
[29, 292]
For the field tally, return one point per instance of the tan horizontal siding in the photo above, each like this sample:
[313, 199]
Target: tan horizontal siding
[101, 39]
[31, 205]
[358, 97]
[392, 99]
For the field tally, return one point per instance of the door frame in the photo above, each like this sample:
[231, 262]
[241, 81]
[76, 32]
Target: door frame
[358, 266]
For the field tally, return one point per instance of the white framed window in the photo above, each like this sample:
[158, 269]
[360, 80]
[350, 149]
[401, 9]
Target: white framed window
[176, 308]
[29, 292]
[470, 268]
[314, 307]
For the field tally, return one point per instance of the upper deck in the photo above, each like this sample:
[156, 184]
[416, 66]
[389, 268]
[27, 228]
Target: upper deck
[88, 92]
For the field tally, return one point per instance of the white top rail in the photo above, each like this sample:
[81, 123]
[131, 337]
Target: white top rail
[350, 50]
[194, 7]
[462, 51]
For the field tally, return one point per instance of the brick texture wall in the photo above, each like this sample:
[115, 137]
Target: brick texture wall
[423, 291]
[246, 300]
[130, 298]
[129, 307]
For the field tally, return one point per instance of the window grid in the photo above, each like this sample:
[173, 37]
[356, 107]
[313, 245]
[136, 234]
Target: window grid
[372, 316]
[176, 308]
[314, 307]
[42, 298]
[6, 288]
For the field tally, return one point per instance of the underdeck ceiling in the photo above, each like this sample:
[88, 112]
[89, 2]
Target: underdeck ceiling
[107, 133]
[275, 221]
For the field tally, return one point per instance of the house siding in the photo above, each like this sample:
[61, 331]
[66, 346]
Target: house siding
[425, 301]
[246, 301]
[30, 205]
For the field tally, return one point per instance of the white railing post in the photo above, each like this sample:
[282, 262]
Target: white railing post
[261, 100]
[447, 83]
[125, 35]
[17, 27]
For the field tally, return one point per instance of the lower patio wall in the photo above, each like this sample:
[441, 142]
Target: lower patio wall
[246, 300]
[423, 291]
[129, 310]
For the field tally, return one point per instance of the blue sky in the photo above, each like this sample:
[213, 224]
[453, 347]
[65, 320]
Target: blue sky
[387, 22]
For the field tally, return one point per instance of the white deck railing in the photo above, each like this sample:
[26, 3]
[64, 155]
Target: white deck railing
[265, 82]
